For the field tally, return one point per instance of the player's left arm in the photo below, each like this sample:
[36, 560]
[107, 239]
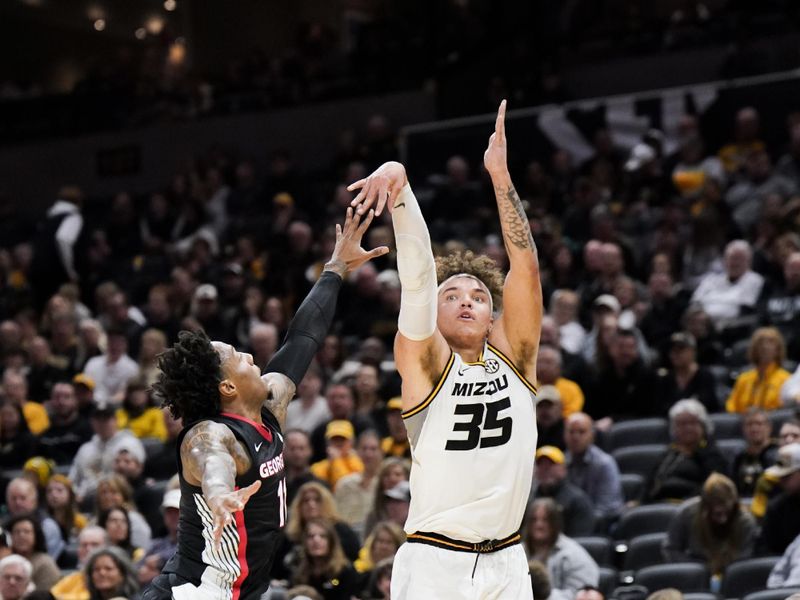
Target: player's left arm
[520, 323]
[313, 319]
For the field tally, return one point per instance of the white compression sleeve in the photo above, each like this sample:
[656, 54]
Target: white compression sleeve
[415, 267]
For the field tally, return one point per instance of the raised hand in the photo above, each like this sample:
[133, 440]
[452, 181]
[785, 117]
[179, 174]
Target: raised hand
[495, 159]
[381, 186]
[348, 251]
[224, 505]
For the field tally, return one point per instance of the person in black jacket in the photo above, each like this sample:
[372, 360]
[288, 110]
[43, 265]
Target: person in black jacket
[691, 457]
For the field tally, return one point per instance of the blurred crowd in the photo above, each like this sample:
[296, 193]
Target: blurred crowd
[449, 46]
[667, 367]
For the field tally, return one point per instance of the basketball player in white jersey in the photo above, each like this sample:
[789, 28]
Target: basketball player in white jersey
[468, 401]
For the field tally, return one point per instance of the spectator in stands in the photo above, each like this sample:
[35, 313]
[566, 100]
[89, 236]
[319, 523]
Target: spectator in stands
[779, 305]
[117, 524]
[109, 574]
[310, 409]
[548, 372]
[355, 492]
[84, 392]
[323, 564]
[341, 405]
[397, 501]
[342, 458]
[162, 464]
[153, 343]
[396, 443]
[159, 316]
[297, 461]
[685, 377]
[663, 314]
[138, 412]
[43, 370]
[17, 443]
[15, 391]
[129, 463]
[263, 342]
[27, 540]
[550, 481]
[15, 577]
[549, 419]
[732, 294]
[712, 528]
[761, 385]
[564, 305]
[591, 469]
[746, 139]
[166, 546]
[759, 453]
[392, 471]
[73, 586]
[112, 370]
[68, 430]
[22, 498]
[786, 572]
[691, 457]
[96, 457]
[782, 519]
[569, 566]
[382, 543]
[589, 592]
[620, 387]
[380, 581]
[696, 322]
[62, 506]
[540, 580]
[790, 390]
[114, 491]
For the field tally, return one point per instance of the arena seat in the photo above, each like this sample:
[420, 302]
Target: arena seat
[685, 577]
[779, 594]
[730, 448]
[727, 426]
[599, 547]
[637, 432]
[641, 460]
[609, 579]
[779, 416]
[748, 575]
[644, 551]
[640, 520]
[632, 486]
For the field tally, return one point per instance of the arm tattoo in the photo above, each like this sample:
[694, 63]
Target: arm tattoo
[207, 454]
[514, 221]
[281, 391]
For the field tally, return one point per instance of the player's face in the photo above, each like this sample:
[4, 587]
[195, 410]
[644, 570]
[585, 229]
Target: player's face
[239, 369]
[465, 314]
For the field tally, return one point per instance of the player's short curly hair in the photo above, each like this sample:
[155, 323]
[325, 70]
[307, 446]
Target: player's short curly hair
[189, 377]
[477, 265]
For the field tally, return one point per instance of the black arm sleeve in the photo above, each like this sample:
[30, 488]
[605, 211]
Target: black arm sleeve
[308, 329]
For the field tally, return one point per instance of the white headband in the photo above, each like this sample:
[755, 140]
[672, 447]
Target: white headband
[470, 276]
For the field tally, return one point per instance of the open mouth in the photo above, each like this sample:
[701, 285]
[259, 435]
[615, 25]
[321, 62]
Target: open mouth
[465, 316]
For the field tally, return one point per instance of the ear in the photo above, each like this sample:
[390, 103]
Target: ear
[227, 389]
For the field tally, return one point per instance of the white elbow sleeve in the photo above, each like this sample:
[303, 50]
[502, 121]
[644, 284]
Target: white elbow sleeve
[416, 269]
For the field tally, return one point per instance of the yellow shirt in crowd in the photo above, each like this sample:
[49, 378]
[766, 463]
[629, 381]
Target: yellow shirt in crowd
[71, 587]
[571, 396]
[149, 424]
[753, 390]
[331, 471]
[36, 417]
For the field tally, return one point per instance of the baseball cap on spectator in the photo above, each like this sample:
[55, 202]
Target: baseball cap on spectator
[552, 453]
[283, 199]
[683, 339]
[640, 156]
[339, 428]
[172, 499]
[548, 393]
[205, 291]
[788, 461]
[233, 268]
[395, 403]
[102, 410]
[84, 379]
[401, 491]
[607, 301]
[41, 468]
[136, 450]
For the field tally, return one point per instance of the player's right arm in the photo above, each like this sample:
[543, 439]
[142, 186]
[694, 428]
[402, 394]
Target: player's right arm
[421, 352]
[211, 457]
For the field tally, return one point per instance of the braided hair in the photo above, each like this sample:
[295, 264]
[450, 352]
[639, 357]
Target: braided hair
[189, 376]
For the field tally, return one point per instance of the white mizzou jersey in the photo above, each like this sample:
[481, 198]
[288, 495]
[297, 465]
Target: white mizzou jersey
[473, 445]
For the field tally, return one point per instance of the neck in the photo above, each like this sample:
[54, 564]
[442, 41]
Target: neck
[686, 369]
[307, 401]
[295, 471]
[471, 354]
[243, 409]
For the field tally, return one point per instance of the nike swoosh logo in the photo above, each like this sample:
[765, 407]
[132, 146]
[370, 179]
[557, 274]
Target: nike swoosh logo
[399, 205]
[258, 446]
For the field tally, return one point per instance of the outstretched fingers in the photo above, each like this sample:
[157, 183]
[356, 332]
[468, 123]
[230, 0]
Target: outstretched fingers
[500, 122]
[365, 224]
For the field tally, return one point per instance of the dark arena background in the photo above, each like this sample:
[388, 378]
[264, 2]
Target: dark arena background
[182, 165]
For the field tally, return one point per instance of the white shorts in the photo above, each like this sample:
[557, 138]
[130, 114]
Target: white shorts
[425, 571]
